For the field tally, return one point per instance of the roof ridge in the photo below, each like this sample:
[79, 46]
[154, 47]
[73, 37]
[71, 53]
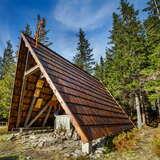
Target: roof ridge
[96, 79]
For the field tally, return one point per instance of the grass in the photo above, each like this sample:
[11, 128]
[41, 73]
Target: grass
[3, 130]
[141, 144]
[156, 145]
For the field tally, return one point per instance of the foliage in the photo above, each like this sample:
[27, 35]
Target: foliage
[42, 32]
[84, 57]
[109, 146]
[126, 140]
[132, 62]
[6, 81]
[27, 30]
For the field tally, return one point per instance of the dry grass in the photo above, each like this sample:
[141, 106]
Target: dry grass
[141, 144]
[156, 145]
[126, 140]
[3, 130]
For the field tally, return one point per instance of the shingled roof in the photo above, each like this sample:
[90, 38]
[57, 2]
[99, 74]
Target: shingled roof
[93, 111]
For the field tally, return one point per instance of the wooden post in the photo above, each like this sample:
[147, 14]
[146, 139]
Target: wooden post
[30, 111]
[47, 116]
[53, 102]
[39, 85]
[22, 94]
[31, 70]
[87, 147]
[39, 114]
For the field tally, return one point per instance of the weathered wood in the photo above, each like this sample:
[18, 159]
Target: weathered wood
[38, 115]
[93, 111]
[47, 116]
[57, 94]
[22, 94]
[30, 111]
[33, 102]
[31, 70]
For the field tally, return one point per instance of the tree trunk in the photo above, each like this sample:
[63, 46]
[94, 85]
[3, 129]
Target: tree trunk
[143, 109]
[158, 106]
[139, 118]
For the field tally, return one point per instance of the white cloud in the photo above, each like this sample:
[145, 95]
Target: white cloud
[87, 14]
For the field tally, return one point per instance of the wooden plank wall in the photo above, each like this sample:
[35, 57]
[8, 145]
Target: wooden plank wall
[17, 86]
[46, 93]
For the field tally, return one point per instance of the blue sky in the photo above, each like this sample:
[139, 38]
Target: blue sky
[64, 18]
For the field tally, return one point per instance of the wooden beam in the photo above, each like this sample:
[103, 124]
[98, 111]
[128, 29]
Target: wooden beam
[30, 111]
[39, 114]
[22, 94]
[31, 70]
[36, 94]
[53, 100]
[47, 116]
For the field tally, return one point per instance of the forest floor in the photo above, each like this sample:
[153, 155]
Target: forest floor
[145, 149]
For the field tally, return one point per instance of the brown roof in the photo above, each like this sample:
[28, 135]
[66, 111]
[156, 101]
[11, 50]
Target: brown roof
[93, 110]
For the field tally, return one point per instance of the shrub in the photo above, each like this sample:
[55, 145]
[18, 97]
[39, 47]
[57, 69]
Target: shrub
[109, 146]
[156, 145]
[125, 140]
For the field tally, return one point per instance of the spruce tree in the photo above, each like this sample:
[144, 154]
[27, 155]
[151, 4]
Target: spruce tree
[27, 30]
[8, 59]
[84, 56]
[99, 69]
[126, 57]
[42, 32]
[152, 73]
[6, 81]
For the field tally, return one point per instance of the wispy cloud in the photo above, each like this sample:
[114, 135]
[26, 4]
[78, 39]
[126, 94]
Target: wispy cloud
[86, 14]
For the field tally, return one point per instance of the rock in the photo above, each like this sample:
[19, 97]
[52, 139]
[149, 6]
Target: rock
[28, 158]
[41, 144]
[11, 137]
[77, 151]
[32, 137]
[67, 155]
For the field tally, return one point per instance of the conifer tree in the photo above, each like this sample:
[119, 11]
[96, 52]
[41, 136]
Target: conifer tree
[152, 73]
[42, 32]
[6, 81]
[84, 56]
[8, 59]
[27, 30]
[99, 69]
[126, 58]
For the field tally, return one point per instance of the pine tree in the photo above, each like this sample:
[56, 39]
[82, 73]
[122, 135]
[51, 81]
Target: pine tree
[6, 81]
[41, 31]
[152, 73]
[126, 58]
[27, 30]
[84, 57]
[8, 59]
[99, 69]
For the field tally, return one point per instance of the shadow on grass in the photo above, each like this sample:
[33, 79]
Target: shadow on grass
[9, 158]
